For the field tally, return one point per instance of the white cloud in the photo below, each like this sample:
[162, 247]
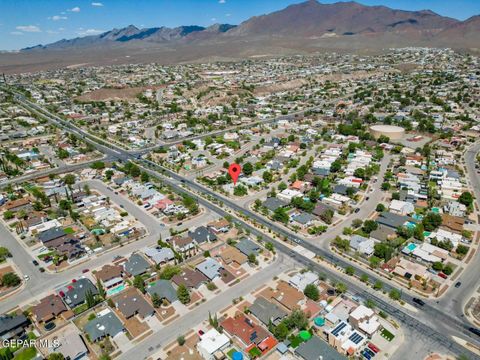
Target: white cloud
[97, 4]
[16, 33]
[222, 1]
[228, 15]
[28, 28]
[52, 32]
[75, 9]
[58, 17]
[213, 19]
[89, 32]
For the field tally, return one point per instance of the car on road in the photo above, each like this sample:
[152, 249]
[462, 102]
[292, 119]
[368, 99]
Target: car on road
[35, 262]
[367, 198]
[458, 284]
[180, 223]
[121, 206]
[357, 210]
[474, 330]
[418, 301]
[26, 277]
[85, 271]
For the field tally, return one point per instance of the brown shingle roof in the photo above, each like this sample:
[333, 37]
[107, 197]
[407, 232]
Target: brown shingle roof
[108, 272]
[49, 308]
[190, 278]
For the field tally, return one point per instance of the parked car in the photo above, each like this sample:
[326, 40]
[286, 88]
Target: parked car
[366, 355]
[50, 326]
[35, 262]
[26, 277]
[373, 348]
[201, 332]
[85, 271]
[370, 352]
[442, 275]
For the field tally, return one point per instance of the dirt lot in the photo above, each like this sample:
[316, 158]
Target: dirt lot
[127, 94]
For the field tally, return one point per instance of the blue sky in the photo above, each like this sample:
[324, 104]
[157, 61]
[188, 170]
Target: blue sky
[31, 22]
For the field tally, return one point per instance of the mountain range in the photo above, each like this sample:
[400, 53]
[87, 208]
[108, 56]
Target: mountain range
[300, 28]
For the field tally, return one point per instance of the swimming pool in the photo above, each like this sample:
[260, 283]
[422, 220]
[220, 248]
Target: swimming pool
[115, 290]
[411, 246]
[411, 225]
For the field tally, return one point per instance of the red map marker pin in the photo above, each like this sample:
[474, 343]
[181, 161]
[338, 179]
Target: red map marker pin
[234, 170]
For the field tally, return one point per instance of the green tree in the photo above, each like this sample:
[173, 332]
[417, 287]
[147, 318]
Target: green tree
[139, 283]
[395, 294]
[281, 331]
[466, 198]
[247, 169]
[240, 190]
[156, 301]
[56, 356]
[90, 299]
[341, 288]
[144, 177]
[69, 180]
[267, 177]
[335, 166]
[8, 214]
[10, 279]
[380, 207]
[101, 290]
[311, 291]
[280, 214]
[370, 303]
[252, 259]
[369, 226]
[183, 294]
[431, 221]
[374, 262]
[378, 285]
[169, 271]
[350, 270]
[383, 251]
[181, 340]
[4, 253]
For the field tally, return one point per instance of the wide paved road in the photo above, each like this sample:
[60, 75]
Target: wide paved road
[455, 299]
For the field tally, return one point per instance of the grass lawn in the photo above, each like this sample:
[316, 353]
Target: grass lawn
[295, 341]
[27, 354]
[230, 353]
[255, 352]
[44, 255]
[68, 230]
[80, 308]
[387, 335]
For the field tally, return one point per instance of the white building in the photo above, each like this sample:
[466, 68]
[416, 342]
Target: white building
[211, 342]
